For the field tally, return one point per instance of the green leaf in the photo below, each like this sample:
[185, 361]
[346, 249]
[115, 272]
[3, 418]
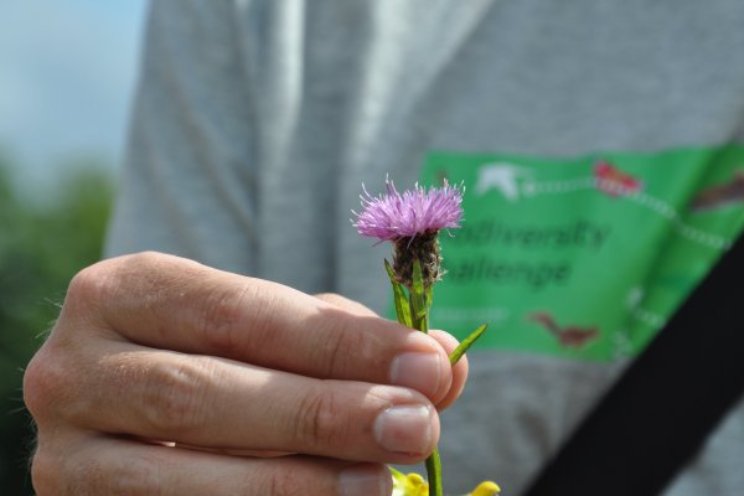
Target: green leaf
[395, 472]
[402, 307]
[418, 299]
[467, 343]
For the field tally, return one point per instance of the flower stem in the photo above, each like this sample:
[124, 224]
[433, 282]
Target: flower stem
[420, 297]
[434, 473]
[413, 311]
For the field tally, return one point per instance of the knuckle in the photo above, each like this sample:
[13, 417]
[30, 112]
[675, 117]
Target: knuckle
[338, 345]
[45, 379]
[140, 476]
[91, 472]
[88, 476]
[346, 304]
[318, 420]
[89, 285]
[45, 473]
[174, 396]
[146, 258]
[56, 470]
[87, 292]
[102, 281]
[149, 267]
[35, 382]
[222, 315]
[285, 483]
[334, 299]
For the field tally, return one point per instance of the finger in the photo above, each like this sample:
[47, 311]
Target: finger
[172, 303]
[459, 370]
[448, 342]
[344, 303]
[114, 466]
[210, 402]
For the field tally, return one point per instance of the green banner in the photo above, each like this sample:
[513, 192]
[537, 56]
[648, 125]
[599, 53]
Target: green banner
[583, 257]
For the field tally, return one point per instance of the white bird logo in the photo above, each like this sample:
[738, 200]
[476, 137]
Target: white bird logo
[502, 176]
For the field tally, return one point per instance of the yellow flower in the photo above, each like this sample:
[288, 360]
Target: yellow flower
[408, 484]
[414, 485]
[486, 488]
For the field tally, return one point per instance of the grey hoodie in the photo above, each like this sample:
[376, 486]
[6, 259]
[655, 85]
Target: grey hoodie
[256, 122]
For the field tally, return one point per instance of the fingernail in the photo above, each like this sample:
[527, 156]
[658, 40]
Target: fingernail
[419, 371]
[404, 429]
[362, 481]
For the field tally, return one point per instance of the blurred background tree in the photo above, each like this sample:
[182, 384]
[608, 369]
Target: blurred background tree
[44, 240]
[68, 72]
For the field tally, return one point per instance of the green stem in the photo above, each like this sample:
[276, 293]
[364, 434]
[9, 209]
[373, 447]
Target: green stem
[414, 312]
[434, 473]
[420, 298]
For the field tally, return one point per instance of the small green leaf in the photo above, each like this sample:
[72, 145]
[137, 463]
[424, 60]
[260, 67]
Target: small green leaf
[402, 308]
[418, 299]
[417, 286]
[395, 472]
[467, 343]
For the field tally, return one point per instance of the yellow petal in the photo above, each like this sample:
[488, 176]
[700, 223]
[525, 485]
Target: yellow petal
[486, 488]
[411, 484]
[415, 480]
[416, 485]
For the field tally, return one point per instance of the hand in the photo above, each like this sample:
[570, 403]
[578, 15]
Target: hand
[163, 376]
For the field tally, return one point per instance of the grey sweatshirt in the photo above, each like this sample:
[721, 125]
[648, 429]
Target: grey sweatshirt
[256, 122]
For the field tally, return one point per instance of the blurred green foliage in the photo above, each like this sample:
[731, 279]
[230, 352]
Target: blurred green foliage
[44, 240]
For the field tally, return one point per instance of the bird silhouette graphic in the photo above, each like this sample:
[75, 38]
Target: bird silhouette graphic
[567, 336]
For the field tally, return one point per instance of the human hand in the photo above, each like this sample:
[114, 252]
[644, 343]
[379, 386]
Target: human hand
[163, 376]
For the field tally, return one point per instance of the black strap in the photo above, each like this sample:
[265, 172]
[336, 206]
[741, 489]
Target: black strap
[657, 416]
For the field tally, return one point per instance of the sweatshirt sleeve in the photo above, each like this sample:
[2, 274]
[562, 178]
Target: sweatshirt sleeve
[187, 184]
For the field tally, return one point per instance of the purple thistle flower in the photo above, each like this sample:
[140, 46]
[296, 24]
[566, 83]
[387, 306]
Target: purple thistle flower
[392, 215]
[412, 221]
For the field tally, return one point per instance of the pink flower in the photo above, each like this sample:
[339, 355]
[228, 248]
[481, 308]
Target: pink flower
[394, 215]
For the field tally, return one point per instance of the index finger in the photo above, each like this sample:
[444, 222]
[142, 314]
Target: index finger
[172, 303]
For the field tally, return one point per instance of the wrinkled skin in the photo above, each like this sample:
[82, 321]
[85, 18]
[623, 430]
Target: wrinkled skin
[166, 377]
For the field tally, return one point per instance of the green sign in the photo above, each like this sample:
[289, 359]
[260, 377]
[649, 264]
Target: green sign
[582, 257]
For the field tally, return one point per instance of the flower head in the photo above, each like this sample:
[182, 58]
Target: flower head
[412, 221]
[418, 211]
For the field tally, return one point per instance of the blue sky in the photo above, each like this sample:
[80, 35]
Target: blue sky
[67, 72]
